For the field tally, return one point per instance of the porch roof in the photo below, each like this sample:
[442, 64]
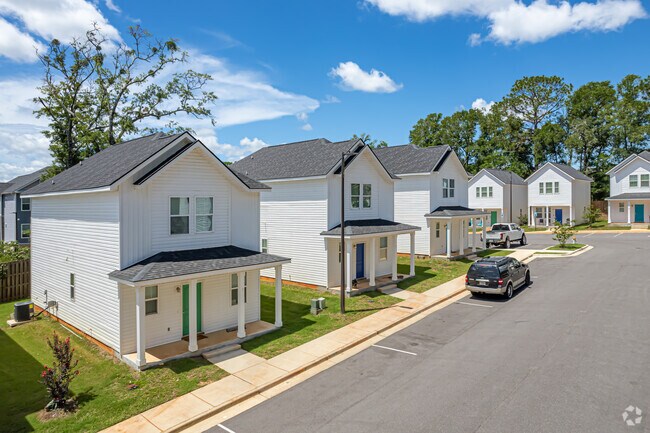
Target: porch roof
[447, 212]
[185, 263]
[631, 196]
[369, 227]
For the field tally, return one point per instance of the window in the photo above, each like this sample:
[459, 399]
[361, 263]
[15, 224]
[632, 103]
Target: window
[549, 187]
[483, 191]
[490, 191]
[151, 300]
[25, 231]
[445, 188]
[234, 292]
[72, 286]
[478, 192]
[645, 180]
[355, 192]
[179, 215]
[25, 204]
[383, 248]
[265, 245]
[340, 253]
[634, 181]
[557, 187]
[367, 195]
[204, 212]
[437, 230]
[621, 207]
[452, 186]
[541, 187]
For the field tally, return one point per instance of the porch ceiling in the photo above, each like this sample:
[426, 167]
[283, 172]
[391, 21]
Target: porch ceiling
[370, 227]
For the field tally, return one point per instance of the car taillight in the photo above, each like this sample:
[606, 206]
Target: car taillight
[466, 279]
[500, 282]
[501, 236]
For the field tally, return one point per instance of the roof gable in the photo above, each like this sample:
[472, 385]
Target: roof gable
[503, 177]
[564, 169]
[411, 159]
[20, 183]
[645, 155]
[366, 152]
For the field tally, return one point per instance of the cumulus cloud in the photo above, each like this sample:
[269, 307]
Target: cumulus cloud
[352, 77]
[307, 127]
[329, 99]
[513, 21]
[112, 6]
[230, 152]
[483, 105]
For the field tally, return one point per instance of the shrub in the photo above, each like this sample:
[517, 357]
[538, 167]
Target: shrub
[58, 377]
[563, 232]
[523, 220]
[592, 214]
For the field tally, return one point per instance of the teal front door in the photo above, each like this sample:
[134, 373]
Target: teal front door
[186, 309]
[493, 217]
[639, 213]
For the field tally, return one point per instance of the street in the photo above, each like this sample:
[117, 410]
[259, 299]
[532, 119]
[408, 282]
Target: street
[567, 354]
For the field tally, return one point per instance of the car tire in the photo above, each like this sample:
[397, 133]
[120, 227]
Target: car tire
[507, 244]
[522, 242]
[527, 280]
[509, 291]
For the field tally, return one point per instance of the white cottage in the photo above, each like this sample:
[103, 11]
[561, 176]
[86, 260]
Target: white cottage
[629, 189]
[557, 192]
[301, 214]
[151, 248]
[432, 193]
[493, 190]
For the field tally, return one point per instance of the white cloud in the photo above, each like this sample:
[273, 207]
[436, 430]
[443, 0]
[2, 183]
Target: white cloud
[302, 117]
[16, 45]
[474, 39]
[307, 127]
[483, 105]
[513, 21]
[329, 99]
[354, 78]
[110, 4]
[230, 152]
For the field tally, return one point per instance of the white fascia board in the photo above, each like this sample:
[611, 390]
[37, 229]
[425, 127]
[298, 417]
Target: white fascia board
[488, 174]
[624, 163]
[77, 191]
[373, 235]
[292, 179]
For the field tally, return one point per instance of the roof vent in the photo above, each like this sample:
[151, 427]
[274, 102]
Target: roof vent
[52, 182]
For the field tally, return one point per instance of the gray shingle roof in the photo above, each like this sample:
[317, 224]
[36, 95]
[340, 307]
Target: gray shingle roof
[453, 211]
[368, 227]
[645, 155]
[3, 186]
[19, 183]
[187, 262]
[504, 176]
[631, 196]
[293, 160]
[409, 158]
[576, 174]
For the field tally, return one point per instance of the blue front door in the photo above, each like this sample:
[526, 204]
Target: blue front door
[361, 260]
[639, 212]
[558, 215]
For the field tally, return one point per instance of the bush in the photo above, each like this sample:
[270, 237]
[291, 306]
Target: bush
[563, 232]
[523, 220]
[58, 377]
[592, 214]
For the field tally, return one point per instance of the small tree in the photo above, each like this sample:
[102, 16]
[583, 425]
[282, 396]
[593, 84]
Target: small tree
[592, 214]
[58, 377]
[563, 232]
[523, 220]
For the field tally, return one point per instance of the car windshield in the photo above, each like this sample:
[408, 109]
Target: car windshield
[500, 227]
[483, 270]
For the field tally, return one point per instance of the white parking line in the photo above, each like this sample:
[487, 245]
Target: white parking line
[225, 428]
[618, 235]
[395, 350]
[590, 234]
[475, 305]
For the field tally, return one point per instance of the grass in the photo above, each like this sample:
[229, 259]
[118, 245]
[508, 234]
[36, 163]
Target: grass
[567, 247]
[534, 229]
[300, 326]
[100, 389]
[548, 252]
[494, 253]
[601, 225]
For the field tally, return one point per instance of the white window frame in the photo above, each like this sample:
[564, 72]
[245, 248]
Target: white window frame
[365, 196]
[189, 215]
[445, 188]
[621, 207]
[490, 192]
[265, 245]
[72, 285]
[636, 180]
[22, 204]
[234, 289]
[549, 188]
[644, 180]
[478, 192]
[383, 251]
[452, 188]
[437, 230]
[556, 187]
[353, 196]
[197, 215]
[22, 230]
[541, 188]
[151, 300]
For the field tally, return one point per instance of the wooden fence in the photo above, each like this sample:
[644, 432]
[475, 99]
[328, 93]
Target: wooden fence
[15, 281]
[600, 204]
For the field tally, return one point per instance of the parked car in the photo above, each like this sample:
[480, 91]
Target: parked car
[502, 275]
[504, 234]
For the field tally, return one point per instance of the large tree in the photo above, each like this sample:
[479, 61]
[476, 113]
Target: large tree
[461, 131]
[96, 92]
[426, 132]
[632, 116]
[371, 142]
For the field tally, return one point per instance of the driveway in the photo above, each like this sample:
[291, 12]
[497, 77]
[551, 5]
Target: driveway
[568, 354]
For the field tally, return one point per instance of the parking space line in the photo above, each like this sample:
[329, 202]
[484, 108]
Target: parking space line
[590, 234]
[618, 235]
[394, 350]
[225, 428]
[475, 305]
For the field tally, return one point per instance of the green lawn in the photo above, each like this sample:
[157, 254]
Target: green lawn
[601, 225]
[534, 229]
[567, 247]
[101, 387]
[494, 253]
[300, 326]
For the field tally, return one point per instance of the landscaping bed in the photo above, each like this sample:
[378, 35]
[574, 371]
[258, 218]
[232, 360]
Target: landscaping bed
[567, 247]
[601, 225]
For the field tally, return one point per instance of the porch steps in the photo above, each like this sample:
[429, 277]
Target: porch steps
[220, 351]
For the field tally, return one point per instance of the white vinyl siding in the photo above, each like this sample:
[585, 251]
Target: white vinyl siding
[550, 179]
[411, 204]
[619, 181]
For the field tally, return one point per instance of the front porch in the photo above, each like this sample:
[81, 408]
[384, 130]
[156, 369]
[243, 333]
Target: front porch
[363, 284]
[548, 215]
[629, 208]
[449, 228]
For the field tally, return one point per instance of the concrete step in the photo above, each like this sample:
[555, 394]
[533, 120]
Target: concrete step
[220, 351]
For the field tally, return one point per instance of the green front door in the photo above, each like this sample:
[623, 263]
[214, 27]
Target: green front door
[493, 217]
[639, 213]
[186, 308]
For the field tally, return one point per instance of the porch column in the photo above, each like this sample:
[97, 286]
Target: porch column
[483, 232]
[348, 266]
[571, 217]
[531, 216]
[372, 257]
[448, 229]
[193, 346]
[473, 235]
[461, 239]
[241, 305]
[629, 212]
[609, 212]
[548, 217]
[394, 258]
[412, 264]
[140, 327]
[278, 296]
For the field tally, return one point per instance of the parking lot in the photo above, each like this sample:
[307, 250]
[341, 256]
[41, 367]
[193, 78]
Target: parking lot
[571, 352]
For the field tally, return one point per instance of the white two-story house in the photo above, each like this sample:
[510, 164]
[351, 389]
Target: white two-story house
[629, 189]
[557, 192]
[432, 194]
[151, 248]
[493, 190]
[301, 214]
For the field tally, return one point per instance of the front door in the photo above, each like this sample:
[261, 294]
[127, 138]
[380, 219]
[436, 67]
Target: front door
[493, 217]
[186, 308]
[639, 213]
[361, 260]
[558, 215]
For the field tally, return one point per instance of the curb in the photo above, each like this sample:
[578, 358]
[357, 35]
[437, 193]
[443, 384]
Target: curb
[217, 409]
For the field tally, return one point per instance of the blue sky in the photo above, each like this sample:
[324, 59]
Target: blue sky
[293, 70]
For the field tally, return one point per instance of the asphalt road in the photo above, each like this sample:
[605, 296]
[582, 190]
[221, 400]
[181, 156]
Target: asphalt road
[568, 354]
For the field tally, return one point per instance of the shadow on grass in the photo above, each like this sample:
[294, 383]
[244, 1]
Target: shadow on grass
[371, 295]
[424, 273]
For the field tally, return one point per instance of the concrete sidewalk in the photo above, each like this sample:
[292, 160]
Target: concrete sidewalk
[254, 379]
